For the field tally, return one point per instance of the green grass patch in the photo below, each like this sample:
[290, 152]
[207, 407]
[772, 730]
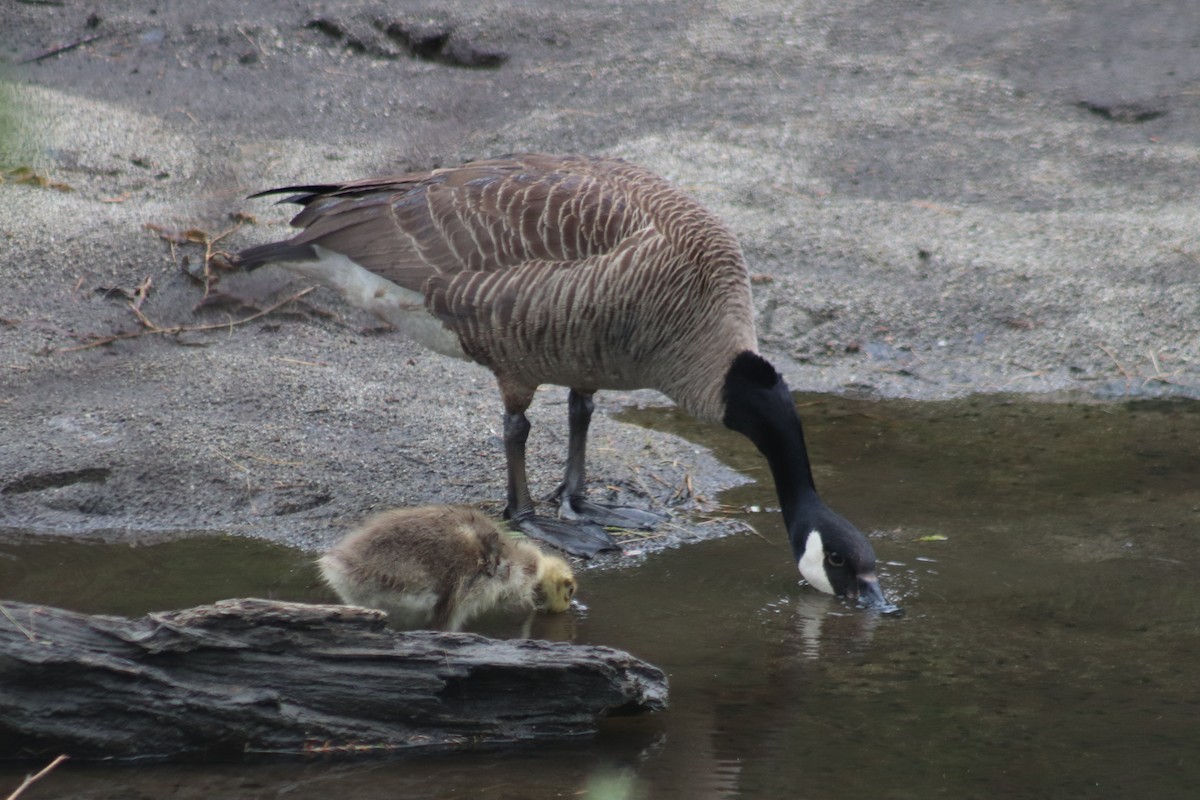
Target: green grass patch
[18, 125]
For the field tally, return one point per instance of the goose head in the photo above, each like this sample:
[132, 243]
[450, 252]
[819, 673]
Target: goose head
[836, 558]
[833, 555]
[555, 586]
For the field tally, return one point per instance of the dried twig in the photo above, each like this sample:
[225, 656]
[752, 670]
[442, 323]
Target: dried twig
[177, 329]
[201, 237]
[31, 779]
[1120, 366]
[1159, 375]
[263, 459]
[251, 40]
[210, 254]
[62, 48]
[26, 631]
[628, 535]
[135, 304]
[1132, 377]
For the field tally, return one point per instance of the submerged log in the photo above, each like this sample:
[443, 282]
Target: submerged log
[256, 676]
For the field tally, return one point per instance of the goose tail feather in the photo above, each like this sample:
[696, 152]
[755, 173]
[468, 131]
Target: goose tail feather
[254, 257]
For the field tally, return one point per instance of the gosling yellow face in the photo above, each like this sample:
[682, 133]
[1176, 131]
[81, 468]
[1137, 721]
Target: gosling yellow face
[557, 584]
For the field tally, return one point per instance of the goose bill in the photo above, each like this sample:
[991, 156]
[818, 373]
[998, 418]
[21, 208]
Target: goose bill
[871, 596]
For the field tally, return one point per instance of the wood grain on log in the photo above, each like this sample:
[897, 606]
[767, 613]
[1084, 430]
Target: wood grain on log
[257, 676]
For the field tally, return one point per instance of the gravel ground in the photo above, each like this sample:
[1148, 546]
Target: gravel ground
[935, 198]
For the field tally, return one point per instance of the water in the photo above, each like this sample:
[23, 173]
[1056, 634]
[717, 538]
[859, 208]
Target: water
[1044, 554]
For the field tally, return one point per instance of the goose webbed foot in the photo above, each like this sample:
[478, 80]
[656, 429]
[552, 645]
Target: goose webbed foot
[576, 537]
[608, 515]
[578, 507]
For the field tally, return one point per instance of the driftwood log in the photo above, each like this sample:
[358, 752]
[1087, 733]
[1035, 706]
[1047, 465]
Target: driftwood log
[256, 676]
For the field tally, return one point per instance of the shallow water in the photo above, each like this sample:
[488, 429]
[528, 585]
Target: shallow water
[1049, 649]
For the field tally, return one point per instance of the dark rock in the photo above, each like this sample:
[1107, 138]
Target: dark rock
[1130, 111]
[439, 43]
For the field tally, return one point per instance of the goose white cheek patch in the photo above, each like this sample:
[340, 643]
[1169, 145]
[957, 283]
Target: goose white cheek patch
[812, 563]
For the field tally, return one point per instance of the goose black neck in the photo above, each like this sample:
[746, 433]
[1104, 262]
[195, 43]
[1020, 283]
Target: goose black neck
[759, 405]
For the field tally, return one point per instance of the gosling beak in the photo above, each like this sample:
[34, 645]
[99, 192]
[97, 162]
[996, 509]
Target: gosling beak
[871, 596]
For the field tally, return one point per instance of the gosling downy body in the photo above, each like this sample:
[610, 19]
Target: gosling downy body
[589, 273]
[442, 566]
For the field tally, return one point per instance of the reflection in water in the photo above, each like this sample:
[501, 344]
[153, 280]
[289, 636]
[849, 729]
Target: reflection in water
[822, 632]
[132, 579]
[1043, 553]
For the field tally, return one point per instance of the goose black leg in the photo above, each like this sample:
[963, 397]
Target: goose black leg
[573, 503]
[577, 537]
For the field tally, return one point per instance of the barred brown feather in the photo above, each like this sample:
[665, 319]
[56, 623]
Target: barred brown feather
[585, 272]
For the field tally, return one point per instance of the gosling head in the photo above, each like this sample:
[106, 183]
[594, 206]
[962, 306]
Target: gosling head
[836, 558]
[555, 584]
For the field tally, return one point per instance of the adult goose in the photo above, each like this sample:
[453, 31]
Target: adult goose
[585, 272]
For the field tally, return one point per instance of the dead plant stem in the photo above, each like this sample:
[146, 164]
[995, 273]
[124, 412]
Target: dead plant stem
[177, 329]
[31, 779]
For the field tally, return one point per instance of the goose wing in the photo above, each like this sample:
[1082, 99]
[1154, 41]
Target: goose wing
[486, 216]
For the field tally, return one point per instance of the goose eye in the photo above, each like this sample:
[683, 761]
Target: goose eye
[835, 559]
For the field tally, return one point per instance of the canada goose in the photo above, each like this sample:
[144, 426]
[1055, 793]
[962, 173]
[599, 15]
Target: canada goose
[585, 272]
[442, 566]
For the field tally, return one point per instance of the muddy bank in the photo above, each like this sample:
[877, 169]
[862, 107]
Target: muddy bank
[945, 199]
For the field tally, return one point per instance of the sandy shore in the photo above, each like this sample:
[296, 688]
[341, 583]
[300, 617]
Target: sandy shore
[934, 202]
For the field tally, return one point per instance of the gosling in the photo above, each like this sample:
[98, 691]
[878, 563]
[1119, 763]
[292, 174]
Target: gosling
[441, 566]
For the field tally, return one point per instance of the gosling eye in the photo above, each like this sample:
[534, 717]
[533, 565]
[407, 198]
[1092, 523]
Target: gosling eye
[835, 559]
